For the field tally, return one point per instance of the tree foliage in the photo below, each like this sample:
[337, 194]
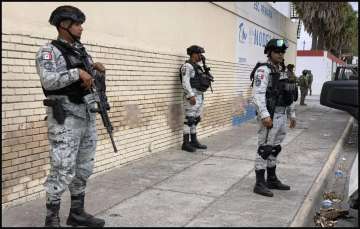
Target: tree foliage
[332, 25]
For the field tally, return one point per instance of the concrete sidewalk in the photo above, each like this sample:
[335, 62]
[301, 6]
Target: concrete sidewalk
[207, 188]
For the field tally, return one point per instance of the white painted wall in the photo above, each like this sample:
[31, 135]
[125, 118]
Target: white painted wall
[321, 68]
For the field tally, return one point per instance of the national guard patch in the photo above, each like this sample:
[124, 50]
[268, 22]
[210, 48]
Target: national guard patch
[47, 56]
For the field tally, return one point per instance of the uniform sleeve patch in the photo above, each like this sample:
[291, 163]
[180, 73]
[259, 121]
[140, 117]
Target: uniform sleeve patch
[260, 75]
[47, 56]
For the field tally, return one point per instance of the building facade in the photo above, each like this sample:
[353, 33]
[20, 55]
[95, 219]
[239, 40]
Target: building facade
[142, 46]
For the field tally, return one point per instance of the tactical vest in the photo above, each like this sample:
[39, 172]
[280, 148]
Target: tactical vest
[73, 59]
[303, 81]
[201, 81]
[285, 91]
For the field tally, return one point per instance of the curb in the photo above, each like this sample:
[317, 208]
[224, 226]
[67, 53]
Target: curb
[303, 213]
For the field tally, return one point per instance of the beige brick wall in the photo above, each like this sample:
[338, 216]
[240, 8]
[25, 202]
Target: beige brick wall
[144, 91]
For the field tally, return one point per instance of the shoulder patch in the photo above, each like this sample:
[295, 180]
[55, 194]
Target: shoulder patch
[260, 74]
[46, 55]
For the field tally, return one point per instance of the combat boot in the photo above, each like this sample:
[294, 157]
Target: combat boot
[195, 143]
[260, 185]
[186, 144]
[52, 215]
[273, 182]
[79, 217]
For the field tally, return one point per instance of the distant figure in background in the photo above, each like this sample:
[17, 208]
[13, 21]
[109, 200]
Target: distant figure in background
[304, 86]
[293, 79]
[310, 80]
[192, 77]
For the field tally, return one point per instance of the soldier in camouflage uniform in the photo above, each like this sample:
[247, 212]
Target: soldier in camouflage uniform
[310, 80]
[304, 86]
[71, 126]
[272, 130]
[293, 79]
[193, 99]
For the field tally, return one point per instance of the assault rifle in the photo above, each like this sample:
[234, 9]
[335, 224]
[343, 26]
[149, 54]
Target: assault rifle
[207, 71]
[98, 90]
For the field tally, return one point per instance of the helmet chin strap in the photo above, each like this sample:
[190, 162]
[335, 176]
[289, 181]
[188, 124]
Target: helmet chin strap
[75, 38]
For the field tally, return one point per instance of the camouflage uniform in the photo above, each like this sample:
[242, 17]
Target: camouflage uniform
[193, 111]
[310, 80]
[304, 86]
[72, 144]
[278, 132]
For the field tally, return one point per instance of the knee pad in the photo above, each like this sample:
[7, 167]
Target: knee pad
[190, 121]
[265, 151]
[276, 150]
[197, 120]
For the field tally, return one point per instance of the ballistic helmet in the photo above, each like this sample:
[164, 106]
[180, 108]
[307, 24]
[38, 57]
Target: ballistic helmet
[276, 44]
[66, 12]
[194, 49]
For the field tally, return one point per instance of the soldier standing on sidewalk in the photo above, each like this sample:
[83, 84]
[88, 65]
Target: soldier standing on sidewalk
[304, 86]
[273, 97]
[310, 80]
[71, 125]
[293, 79]
[191, 74]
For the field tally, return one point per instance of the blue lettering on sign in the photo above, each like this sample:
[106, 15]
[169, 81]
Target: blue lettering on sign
[261, 8]
[261, 38]
[257, 6]
[242, 33]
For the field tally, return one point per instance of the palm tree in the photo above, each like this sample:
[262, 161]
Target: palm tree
[344, 39]
[320, 20]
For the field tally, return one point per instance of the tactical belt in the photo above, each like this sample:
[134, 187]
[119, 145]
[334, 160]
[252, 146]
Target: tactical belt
[280, 109]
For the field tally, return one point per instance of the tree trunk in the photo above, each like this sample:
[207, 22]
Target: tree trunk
[314, 41]
[320, 45]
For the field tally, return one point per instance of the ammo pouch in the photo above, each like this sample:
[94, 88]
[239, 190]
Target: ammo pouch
[287, 92]
[281, 93]
[58, 109]
[201, 82]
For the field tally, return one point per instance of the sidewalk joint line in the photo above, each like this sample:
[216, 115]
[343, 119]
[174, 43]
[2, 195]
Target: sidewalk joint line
[190, 193]
[217, 198]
